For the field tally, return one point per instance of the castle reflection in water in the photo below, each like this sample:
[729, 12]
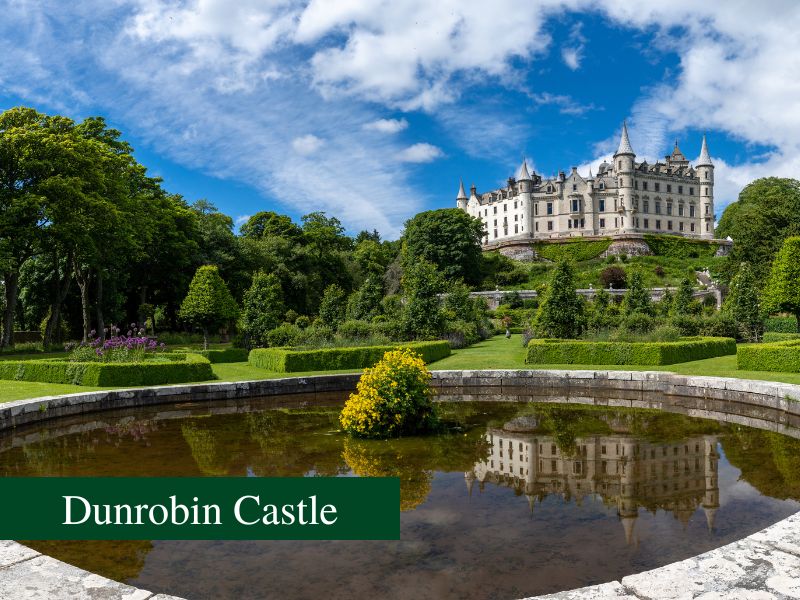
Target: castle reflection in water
[626, 472]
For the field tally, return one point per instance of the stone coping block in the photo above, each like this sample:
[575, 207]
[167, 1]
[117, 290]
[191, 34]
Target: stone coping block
[765, 565]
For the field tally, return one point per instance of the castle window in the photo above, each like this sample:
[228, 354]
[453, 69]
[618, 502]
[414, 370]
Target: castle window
[516, 217]
[669, 208]
[569, 223]
[495, 233]
[495, 209]
[691, 210]
[516, 228]
[549, 226]
[621, 182]
[657, 187]
[620, 165]
[536, 209]
[706, 191]
[536, 226]
[575, 204]
[505, 207]
[706, 177]
[583, 223]
[669, 225]
[616, 222]
[707, 226]
[574, 187]
[602, 222]
[669, 189]
[495, 222]
[515, 204]
[658, 224]
[602, 185]
[505, 230]
[602, 205]
[680, 189]
[549, 189]
[680, 226]
[658, 207]
[549, 208]
[636, 185]
[691, 191]
[647, 223]
[680, 209]
[646, 205]
[691, 226]
[644, 186]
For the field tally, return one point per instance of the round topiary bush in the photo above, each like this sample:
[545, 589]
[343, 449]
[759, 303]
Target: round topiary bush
[614, 277]
[393, 398]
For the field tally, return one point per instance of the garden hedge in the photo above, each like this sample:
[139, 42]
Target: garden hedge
[178, 368]
[778, 336]
[288, 360]
[776, 356]
[551, 351]
[673, 246]
[781, 324]
[226, 355]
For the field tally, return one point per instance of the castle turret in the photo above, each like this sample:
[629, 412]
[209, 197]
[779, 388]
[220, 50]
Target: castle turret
[705, 171]
[461, 199]
[525, 183]
[624, 159]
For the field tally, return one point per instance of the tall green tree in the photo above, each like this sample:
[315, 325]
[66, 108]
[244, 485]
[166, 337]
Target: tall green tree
[782, 292]
[766, 213]
[421, 314]
[262, 309]
[209, 302]
[561, 311]
[637, 297]
[365, 302]
[268, 223]
[744, 305]
[449, 238]
[683, 303]
[333, 306]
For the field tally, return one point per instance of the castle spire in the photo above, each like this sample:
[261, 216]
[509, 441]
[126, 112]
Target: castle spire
[522, 174]
[705, 158]
[624, 142]
[462, 195]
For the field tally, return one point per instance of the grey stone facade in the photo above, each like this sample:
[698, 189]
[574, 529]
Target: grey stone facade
[624, 197]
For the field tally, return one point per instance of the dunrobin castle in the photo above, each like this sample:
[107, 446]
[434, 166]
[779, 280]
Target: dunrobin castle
[625, 197]
[624, 471]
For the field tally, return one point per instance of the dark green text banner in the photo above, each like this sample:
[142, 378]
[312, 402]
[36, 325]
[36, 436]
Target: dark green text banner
[200, 508]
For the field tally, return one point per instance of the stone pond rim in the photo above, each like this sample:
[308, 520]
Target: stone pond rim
[766, 563]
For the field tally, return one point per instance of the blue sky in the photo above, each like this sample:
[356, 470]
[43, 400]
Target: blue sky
[371, 110]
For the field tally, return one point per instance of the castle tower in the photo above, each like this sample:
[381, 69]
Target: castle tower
[461, 199]
[624, 159]
[525, 183]
[705, 171]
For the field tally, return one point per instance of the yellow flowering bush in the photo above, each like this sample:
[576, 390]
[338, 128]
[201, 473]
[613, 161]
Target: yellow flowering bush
[393, 398]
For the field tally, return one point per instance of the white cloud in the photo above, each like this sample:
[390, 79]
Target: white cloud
[387, 125]
[241, 220]
[307, 144]
[420, 153]
[572, 53]
[566, 104]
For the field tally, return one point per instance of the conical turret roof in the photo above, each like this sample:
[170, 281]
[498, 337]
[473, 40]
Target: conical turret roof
[705, 158]
[624, 142]
[522, 174]
[462, 195]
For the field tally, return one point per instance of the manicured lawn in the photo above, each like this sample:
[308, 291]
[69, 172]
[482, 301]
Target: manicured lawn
[495, 353]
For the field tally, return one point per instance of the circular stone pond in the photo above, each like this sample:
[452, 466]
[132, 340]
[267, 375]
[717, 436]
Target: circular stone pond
[517, 498]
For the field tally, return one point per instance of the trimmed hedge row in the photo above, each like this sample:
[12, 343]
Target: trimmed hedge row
[776, 356]
[781, 324]
[226, 355]
[779, 336]
[576, 250]
[181, 368]
[551, 351]
[287, 360]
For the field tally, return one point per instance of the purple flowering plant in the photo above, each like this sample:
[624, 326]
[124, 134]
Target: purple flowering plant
[133, 347]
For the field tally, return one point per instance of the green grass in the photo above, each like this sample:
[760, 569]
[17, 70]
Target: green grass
[588, 272]
[495, 353]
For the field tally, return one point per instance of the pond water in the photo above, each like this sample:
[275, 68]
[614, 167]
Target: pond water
[517, 499]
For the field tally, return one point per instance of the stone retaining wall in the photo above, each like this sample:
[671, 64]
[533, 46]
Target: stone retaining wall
[765, 565]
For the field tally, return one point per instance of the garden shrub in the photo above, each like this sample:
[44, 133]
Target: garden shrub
[551, 351]
[719, 325]
[573, 250]
[673, 246]
[285, 334]
[776, 356]
[638, 322]
[171, 368]
[614, 277]
[779, 336]
[356, 329]
[781, 324]
[224, 355]
[287, 360]
[460, 334]
[688, 325]
[392, 398]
